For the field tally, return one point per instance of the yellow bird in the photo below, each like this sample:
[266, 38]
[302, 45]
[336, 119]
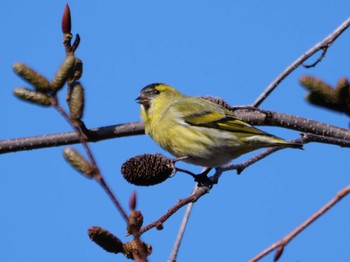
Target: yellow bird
[200, 131]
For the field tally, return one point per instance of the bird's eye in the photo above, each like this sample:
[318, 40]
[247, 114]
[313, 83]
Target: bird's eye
[155, 92]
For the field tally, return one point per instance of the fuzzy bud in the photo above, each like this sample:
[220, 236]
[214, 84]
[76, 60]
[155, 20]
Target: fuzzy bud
[147, 169]
[342, 91]
[31, 96]
[322, 94]
[37, 80]
[63, 73]
[105, 239]
[78, 162]
[316, 86]
[76, 102]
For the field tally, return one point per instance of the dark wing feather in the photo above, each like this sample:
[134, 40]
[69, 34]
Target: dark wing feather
[208, 114]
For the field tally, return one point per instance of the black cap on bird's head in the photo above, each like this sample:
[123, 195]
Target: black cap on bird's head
[147, 93]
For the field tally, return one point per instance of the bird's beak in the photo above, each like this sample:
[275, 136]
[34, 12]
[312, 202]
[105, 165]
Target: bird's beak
[143, 100]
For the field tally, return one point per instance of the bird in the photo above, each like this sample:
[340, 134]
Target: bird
[199, 131]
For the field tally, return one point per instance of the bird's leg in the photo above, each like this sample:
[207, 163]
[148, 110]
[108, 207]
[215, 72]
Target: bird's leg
[202, 179]
[180, 169]
[185, 171]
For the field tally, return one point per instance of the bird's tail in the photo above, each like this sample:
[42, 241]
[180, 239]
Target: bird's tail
[268, 140]
[283, 143]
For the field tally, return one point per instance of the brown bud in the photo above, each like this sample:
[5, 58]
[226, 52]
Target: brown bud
[159, 226]
[66, 20]
[218, 101]
[147, 169]
[37, 80]
[135, 222]
[132, 201]
[76, 43]
[78, 162]
[35, 97]
[278, 253]
[76, 102]
[63, 73]
[105, 239]
[136, 247]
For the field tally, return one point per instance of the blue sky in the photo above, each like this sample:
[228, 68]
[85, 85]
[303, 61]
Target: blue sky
[230, 49]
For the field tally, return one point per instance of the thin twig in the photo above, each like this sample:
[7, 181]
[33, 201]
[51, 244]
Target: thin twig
[181, 232]
[111, 195]
[319, 59]
[270, 118]
[240, 167]
[199, 192]
[98, 176]
[283, 242]
[306, 138]
[324, 44]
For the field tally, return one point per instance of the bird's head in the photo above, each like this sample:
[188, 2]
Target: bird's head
[156, 93]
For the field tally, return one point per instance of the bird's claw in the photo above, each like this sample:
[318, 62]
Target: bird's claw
[203, 180]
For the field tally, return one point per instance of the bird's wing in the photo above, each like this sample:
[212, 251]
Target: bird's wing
[206, 114]
[233, 124]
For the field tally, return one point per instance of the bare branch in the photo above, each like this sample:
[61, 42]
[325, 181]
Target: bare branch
[260, 117]
[324, 44]
[306, 138]
[240, 167]
[181, 232]
[198, 193]
[319, 59]
[326, 140]
[283, 242]
[67, 138]
[98, 175]
[269, 118]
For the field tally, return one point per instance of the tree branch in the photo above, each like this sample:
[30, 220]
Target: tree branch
[323, 45]
[283, 242]
[261, 117]
[269, 118]
[198, 193]
[306, 138]
[67, 138]
[181, 232]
